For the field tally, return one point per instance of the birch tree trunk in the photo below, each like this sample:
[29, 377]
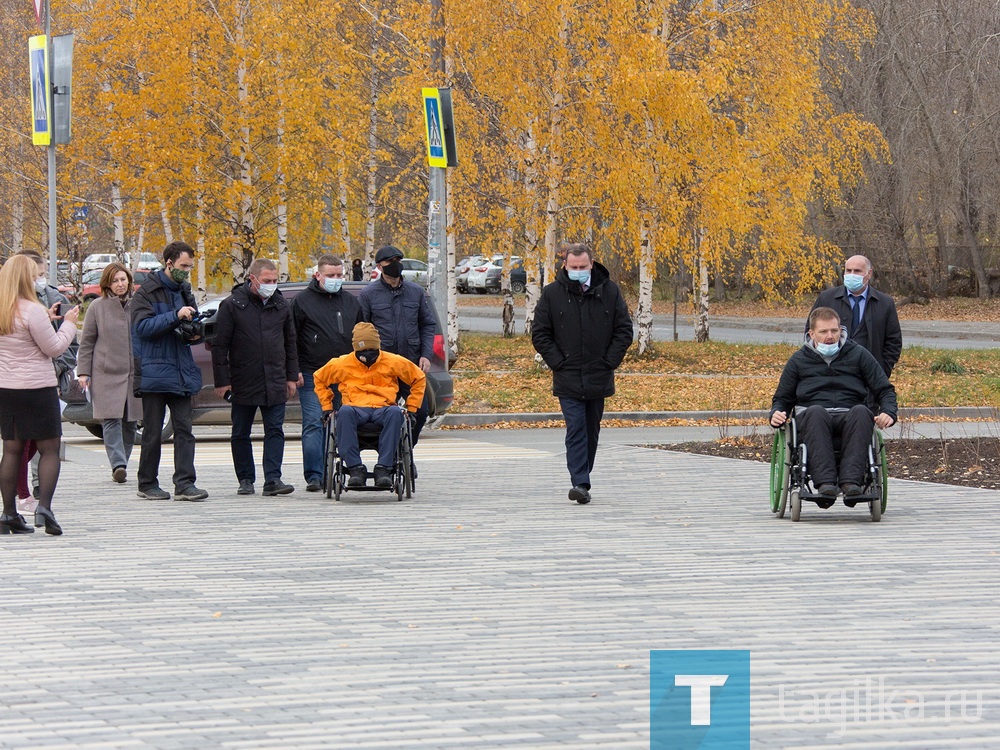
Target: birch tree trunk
[282, 207]
[244, 236]
[647, 273]
[371, 192]
[141, 238]
[532, 263]
[118, 220]
[701, 290]
[555, 152]
[168, 229]
[201, 291]
[345, 225]
[508, 296]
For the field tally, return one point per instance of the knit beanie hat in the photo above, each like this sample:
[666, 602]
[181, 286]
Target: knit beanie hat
[366, 337]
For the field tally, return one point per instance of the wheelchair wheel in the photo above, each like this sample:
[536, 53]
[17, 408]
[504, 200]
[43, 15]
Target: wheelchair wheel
[884, 464]
[329, 462]
[796, 503]
[780, 474]
[407, 458]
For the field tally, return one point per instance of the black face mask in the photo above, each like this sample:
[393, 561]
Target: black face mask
[394, 269]
[367, 357]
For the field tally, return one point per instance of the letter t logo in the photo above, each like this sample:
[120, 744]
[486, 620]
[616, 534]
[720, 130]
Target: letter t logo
[701, 694]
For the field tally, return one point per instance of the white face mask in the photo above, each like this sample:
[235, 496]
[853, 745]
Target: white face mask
[332, 285]
[40, 285]
[266, 290]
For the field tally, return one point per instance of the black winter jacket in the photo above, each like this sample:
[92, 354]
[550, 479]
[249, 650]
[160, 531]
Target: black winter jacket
[403, 316]
[582, 336]
[324, 325]
[254, 347]
[808, 380]
[163, 361]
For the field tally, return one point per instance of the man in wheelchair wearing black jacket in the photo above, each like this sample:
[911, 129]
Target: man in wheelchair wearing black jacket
[827, 383]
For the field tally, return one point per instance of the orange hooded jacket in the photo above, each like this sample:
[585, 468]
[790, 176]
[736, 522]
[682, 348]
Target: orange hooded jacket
[371, 387]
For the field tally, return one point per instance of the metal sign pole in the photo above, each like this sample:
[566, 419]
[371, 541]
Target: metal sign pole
[437, 233]
[53, 241]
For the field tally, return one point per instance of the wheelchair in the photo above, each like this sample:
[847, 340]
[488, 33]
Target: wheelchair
[791, 484]
[403, 471]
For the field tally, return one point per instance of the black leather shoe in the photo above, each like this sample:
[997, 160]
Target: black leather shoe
[580, 493]
[359, 476]
[827, 490]
[14, 524]
[314, 485]
[44, 517]
[383, 476]
[277, 487]
[245, 488]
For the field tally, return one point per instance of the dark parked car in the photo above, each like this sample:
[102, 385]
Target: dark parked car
[211, 410]
[518, 276]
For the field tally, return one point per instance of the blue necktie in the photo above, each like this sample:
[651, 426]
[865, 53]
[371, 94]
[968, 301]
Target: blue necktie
[855, 313]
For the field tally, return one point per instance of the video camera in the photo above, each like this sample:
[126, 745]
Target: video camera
[192, 330]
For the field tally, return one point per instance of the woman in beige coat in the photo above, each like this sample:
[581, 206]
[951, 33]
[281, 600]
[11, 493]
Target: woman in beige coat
[105, 366]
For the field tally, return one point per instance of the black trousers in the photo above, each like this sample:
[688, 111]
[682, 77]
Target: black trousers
[817, 427]
[154, 408]
[583, 428]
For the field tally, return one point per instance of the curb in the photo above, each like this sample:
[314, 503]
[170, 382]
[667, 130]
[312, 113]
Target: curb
[479, 420]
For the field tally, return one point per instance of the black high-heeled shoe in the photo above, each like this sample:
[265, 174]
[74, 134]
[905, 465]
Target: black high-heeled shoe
[44, 517]
[14, 524]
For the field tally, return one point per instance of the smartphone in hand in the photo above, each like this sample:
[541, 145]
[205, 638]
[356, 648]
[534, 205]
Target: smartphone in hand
[59, 309]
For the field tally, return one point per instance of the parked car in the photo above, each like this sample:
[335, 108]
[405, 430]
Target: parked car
[476, 279]
[413, 270]
[92, 290]
[98, 261]
[209, 409]
[462, 269]
[518, 276]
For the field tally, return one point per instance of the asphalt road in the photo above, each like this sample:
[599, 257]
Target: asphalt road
[934, 334]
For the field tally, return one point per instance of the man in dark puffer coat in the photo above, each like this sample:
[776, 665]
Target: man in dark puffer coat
[582, 330]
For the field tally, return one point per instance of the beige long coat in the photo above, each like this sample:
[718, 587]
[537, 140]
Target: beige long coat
[106, 357]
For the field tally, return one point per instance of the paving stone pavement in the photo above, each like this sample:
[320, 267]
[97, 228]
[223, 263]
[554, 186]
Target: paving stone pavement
[490, 611]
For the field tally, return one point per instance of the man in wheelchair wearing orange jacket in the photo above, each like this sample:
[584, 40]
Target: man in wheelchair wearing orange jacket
[368, 381]
[827, 382]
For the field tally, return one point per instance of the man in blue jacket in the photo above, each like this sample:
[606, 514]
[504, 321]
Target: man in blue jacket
[165, 373]
[401, 312]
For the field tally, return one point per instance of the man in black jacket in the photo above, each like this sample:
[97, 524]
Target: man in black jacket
[324, 318]
[828, 382]
[256, 366]
[869, 316]
[401, 312]
[582, 329]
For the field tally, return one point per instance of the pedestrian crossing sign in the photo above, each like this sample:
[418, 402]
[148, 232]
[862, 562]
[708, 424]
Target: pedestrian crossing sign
[434, 125]
[41, 102]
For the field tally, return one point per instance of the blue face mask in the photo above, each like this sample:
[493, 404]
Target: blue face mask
[582, 276]
[828, 350]
[853, 281]
[332, 285]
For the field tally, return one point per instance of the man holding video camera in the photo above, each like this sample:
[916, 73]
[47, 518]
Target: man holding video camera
[256, 366]
[164, 325]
